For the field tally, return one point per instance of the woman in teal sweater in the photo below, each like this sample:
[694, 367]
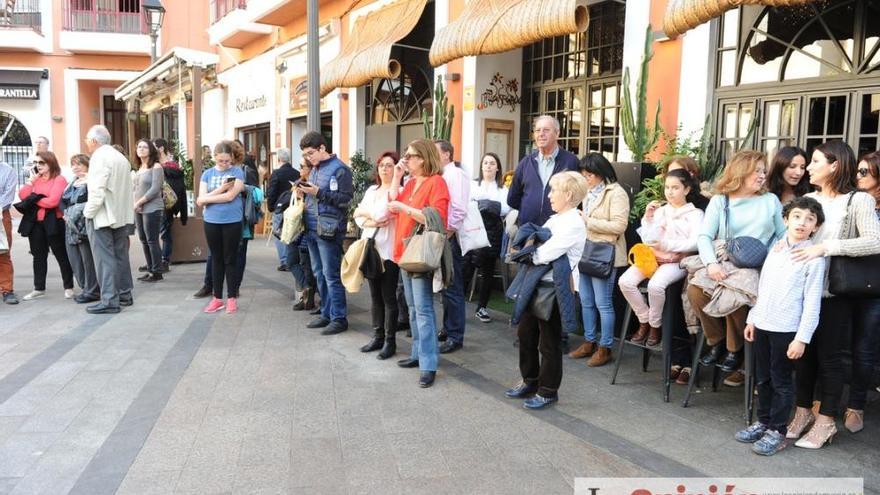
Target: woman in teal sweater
[754, 213]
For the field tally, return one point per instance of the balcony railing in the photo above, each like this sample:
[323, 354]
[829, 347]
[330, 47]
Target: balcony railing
[104, 16]
[219, 8]
[25, 14]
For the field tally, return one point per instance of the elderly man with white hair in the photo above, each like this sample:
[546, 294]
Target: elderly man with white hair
[109, 220]
[282, 180]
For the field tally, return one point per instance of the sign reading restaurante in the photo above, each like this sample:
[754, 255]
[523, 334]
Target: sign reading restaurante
[248, 103]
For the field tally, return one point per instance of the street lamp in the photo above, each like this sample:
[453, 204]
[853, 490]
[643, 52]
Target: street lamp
[154, 14]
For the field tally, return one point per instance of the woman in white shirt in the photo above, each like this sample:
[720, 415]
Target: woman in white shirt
[540, 342]
[372, 216]
[492, 200]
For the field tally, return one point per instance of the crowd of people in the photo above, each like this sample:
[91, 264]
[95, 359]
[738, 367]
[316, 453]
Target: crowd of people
[753, 255]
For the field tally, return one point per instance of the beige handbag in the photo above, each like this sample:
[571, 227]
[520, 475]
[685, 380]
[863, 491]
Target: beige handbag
[423, 251]
[350, 271]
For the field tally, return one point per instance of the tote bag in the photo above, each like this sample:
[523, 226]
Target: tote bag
[472, 234]
[292, 220]
[423, 251]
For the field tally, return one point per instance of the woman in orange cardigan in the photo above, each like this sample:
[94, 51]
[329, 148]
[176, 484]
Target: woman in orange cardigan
[48, 230]
[425, 187]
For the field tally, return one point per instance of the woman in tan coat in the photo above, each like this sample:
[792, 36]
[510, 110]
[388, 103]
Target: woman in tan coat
[605, 213]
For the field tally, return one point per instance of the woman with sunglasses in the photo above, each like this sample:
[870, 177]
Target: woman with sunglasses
[48, 230]
[373, 217]
[426, 188]
[866, 316]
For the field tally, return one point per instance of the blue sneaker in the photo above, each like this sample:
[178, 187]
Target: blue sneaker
[538, 402]
[751, 434]
[771, 443]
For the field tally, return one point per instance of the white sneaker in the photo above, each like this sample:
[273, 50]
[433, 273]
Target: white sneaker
[68, 293]
[34, 294]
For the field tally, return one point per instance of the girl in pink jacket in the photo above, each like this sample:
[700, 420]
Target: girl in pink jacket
[671, 231]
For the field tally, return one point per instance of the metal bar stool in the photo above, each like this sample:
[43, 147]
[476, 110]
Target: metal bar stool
[748, 370]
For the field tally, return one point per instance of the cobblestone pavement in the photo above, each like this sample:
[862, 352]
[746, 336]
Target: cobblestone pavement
[162, 398]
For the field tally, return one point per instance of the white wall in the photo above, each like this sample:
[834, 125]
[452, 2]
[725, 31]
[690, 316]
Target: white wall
[637, 18]
[478, 72]
[214, 117]
[254, 78]
[693, 100]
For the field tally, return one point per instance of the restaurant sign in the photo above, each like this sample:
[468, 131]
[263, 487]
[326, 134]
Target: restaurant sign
[19, 92]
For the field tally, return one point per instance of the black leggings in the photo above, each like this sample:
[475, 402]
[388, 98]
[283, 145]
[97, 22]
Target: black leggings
[383, 292]
[223, 241]
[40, 243]
[483, 259]
[822, 362]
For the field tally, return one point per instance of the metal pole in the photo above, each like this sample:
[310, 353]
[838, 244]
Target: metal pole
[313, 121]
[154, 121]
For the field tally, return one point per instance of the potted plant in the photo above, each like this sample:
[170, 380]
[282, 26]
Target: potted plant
[362, 178]
[439, 125]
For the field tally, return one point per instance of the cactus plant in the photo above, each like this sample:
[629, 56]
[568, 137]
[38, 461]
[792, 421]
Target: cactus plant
[439, 124]
[638, 135]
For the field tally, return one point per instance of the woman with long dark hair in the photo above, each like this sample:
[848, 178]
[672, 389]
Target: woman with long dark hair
[788, 177]
[149, 208]
[851, 229]
[373, 217]
[47, 232]
[491, 198]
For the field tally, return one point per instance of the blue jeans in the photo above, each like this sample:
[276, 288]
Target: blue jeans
[596, 301]
[422, 321]
[326, 257]
[297, 260]
[865, 343]
[280, 247]
[453, 297]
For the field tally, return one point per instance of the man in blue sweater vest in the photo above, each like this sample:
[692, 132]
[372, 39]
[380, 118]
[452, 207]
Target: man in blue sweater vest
[530, 188]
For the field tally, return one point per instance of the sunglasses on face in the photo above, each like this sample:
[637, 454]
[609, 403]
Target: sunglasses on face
[38, 162]
[411, 155]
[863, 172]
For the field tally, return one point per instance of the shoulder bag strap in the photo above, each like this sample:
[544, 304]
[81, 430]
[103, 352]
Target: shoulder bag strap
[726, 217]
[847, 230]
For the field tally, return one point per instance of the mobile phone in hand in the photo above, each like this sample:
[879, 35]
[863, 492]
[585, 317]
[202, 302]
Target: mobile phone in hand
[229, 179]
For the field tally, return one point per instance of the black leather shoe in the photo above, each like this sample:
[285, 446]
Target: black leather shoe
[145, 277]
[126, 301]
[538, 402]
[442, 335]
[713, 355]
[427, 378]
[450, 346]
[732, 362]
[521, 391]
[315, 311]
[408, 363]
[101, 309]
[143, 269]
[85, 298]
[389, 349]
[376, 343]
[319, 322]
[335, 327]
[205, 291]
[152, 277]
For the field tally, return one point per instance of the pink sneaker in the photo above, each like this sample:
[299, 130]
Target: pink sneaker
[231, 305]
[214, 306]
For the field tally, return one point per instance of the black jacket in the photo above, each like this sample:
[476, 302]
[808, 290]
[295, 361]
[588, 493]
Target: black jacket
[280, 182]
[28, 209]
[174, 178]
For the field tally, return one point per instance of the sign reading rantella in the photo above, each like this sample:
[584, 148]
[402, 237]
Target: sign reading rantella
[20, 92]
[247, 103]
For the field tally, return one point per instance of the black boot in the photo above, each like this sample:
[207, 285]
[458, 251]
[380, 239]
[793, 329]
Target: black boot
[310, 298]
[376, 342]
[390, 347]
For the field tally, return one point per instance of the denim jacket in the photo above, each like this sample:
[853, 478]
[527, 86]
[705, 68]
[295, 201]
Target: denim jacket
[525, 284]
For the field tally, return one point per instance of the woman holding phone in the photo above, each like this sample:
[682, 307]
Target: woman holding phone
[219, 192]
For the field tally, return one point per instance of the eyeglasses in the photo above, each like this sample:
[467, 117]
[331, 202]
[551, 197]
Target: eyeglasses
[411, 155]
[38, 162]
[863, 172]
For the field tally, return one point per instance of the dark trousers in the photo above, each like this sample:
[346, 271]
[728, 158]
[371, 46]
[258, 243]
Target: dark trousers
[484, 261]
[453, 297]
[41, 242]
[299, 264]
[773, 378]
[822, 362]
[148, 228]
[865, 343]
[402, 307]
[540, 352]
[223, 241]
[165, 236]
[383, 292]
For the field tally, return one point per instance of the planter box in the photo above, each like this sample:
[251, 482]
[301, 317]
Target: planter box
[189, 241]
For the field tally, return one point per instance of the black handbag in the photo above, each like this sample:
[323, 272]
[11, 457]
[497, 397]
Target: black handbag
[597, 259]
[743, 251]
[371, 266]
[854, 276]
[327, 225]
[543, 301]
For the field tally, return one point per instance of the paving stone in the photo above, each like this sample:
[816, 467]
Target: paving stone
[7, 485]
[21, 451]
[149, 483]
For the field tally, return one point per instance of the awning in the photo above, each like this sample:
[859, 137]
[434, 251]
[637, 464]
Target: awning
[21, 84]
[367, 53]
[684, 15]
[495, 26]
[167, 80]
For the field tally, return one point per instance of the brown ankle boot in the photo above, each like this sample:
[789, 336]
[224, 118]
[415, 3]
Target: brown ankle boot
[641, 334]
[653, 337]
[585, 350]
[600, 358]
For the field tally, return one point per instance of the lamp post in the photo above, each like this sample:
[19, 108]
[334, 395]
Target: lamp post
[154, 14]
[313, 117]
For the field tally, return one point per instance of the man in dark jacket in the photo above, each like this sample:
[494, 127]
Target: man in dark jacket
[282, 180]
[529, 190]
[174, 178]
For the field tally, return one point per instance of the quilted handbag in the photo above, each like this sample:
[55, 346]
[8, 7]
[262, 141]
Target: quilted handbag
[743, 251]
[854, 276]
[423, 251]
[597, 259]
